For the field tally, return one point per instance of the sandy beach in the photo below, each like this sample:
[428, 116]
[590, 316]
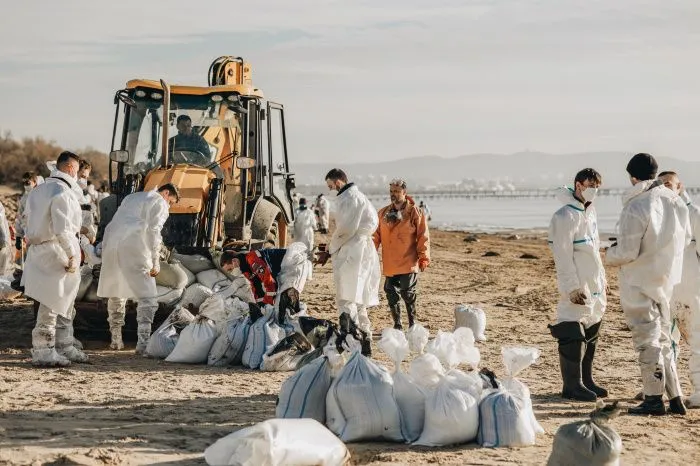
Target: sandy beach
[127, 410]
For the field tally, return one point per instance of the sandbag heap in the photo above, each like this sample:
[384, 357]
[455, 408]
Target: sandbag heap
[435, 404]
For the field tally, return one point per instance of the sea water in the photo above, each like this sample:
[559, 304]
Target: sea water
[489, 215]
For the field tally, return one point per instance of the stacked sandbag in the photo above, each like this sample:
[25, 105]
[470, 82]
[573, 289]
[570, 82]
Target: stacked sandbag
[471, 317]
[279, 442]
[588, 443]
[506, 417]
[213, 279]
[194, 263]
[303, 395]
[173, 276]
[264, 335]
[194, 296]
[168, 296]
[360, 404]
[195, 342]
[228, 348]
[409, 396]
[286, 354]
[164, 339]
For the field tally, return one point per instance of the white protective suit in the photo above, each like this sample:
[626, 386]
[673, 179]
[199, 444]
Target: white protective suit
[575, 244]
[653, 233]
[53, 222]
[6, 245]
[304, 228]
[130, 250]
[685, 304]
[324, 212]
[356, 271]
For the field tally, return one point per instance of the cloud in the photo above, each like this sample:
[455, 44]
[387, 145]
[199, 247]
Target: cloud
[367, 80]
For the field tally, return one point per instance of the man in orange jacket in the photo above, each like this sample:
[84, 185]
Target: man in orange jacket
[405, 240]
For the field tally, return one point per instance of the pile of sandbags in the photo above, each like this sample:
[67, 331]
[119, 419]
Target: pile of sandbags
[441, 400]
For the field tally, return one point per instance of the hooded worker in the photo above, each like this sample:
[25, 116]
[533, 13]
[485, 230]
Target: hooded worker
[30, 181]
[575, 244]
[324, 213]
[653, 233]
[51, 271]
[6, 250]
[131, 260]
[304, 225]
[356, 271]
[685, 304]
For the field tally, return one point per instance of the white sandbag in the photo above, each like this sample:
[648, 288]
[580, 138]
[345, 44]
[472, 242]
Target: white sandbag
[168, 296]
[455, 348]
[172, 276]
[426, 370]
[229, 346]
[279, 442]
[213, 279]
[164, 339]
[471, 317]
[264, 335]
[516, 359]
[6, 291]
[191, 278]
[286, 354]
[451, 416]
[418, 337]
[303, 395]
[195, 295]
[504, 421]
[588, 443]
[214, 309]
[194, 263]
[409, 396]
[86, 279]
[360, 404]
[469, 381]
[195, 342]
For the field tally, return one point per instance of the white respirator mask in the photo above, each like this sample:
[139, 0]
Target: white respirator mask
[589, 194]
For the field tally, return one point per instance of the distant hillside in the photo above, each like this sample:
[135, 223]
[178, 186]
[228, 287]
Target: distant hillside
[31, 154]
[524, 169]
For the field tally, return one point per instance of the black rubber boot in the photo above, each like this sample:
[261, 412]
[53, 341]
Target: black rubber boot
[411, 311]
[587, 362]
[676, 406]
[651, 406]
[571, 350]
[396, 315]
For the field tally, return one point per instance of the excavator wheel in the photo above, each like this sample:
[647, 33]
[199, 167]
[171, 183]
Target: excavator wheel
[272, 239]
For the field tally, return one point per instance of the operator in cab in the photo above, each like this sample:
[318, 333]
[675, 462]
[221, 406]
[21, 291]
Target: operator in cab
[188, 146]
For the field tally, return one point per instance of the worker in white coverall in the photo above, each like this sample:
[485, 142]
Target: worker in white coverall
[51, 271]
[356, 271]
[573, 237]
[6, 249]
[324, 213]
[685, 304]
[304, 226]
[653, 233]
[30, 181]
[131, 260]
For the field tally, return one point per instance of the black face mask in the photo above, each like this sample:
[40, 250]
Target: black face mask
[393, 216]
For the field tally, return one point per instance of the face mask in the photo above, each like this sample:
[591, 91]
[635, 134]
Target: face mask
[589, 194]
[28, 188]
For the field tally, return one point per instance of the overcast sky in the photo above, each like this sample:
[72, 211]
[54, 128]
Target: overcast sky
[376, 80]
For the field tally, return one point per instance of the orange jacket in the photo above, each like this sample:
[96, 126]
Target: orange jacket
[403, 243]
